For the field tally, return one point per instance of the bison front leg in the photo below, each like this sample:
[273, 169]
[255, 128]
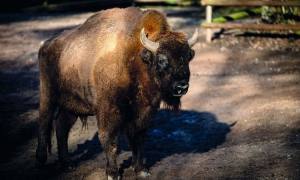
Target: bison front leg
[136, 141]
[109, 135]
[65, 120]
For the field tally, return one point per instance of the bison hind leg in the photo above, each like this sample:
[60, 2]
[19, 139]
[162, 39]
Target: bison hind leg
[65, 120]
[45, 133]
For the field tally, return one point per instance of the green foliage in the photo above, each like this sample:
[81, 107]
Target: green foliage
[182, 2]
[237, 15]
[281, 15]
[223, 11]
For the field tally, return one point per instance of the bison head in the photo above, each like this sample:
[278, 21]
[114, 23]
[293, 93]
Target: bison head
[168, 64]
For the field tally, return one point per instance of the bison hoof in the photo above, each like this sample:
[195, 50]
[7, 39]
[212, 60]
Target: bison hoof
[40, 164]
[143, 174]
[112, 177]
[69, 166]
[40, 161]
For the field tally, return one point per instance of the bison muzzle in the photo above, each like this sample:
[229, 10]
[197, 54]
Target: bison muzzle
[119, 65]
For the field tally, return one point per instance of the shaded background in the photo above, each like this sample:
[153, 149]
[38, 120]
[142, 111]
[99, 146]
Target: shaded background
[81, 5]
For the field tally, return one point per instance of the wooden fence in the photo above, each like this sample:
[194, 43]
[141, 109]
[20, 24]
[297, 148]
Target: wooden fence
[209, 24]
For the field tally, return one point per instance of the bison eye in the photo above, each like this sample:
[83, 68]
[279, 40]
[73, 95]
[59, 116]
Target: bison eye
[192, 54]
[162, 62]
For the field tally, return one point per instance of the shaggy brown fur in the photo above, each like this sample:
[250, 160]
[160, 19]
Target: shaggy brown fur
[101, 68]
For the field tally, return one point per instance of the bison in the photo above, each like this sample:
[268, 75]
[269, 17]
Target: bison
[119, 65]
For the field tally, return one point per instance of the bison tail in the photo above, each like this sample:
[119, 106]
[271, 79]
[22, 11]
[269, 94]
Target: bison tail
[84, 122]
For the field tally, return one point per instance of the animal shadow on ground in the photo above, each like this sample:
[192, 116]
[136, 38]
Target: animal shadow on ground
[168, 134]
[187, 132]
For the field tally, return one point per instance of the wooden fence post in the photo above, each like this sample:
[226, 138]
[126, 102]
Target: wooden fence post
[208, 20]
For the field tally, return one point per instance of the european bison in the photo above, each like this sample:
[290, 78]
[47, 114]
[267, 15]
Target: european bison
[119, 65]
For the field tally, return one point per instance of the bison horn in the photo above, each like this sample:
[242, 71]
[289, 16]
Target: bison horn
[148, 44]
[194, 38]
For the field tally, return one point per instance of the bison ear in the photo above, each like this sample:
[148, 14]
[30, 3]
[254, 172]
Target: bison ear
[146, 56]
[148, 44]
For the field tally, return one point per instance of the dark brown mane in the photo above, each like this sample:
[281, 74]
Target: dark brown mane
[174, 36]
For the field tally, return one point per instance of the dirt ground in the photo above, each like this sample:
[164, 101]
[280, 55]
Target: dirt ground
[239, 120]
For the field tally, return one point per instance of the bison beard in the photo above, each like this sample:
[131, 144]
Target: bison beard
[171, 103]
[119, 65]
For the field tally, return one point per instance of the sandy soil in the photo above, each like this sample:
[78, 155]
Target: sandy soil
[239, 120]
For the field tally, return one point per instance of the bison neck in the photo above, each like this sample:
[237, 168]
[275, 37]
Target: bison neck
[145, 95]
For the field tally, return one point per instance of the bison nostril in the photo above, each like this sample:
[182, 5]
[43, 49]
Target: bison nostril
[180, 88]
[184, 86]
[181, 85]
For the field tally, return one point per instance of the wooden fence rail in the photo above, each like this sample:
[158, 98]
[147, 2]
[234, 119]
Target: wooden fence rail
[249, 3]
[208, 24]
